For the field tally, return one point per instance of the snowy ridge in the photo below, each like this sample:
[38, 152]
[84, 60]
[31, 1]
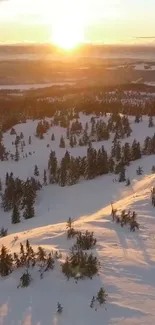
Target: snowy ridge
[127, 260]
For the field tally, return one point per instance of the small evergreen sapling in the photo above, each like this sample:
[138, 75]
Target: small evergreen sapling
[128, 182]
[153, 169]
[3, 232]
[62, 142]
[139, 170]
[70, 229]
[45, 177]
[25, 280]
[101, 296]
[92, 302]
[36, 171]
[59, 308]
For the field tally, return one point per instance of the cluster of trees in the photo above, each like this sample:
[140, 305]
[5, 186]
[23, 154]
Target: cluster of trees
[126, 218]
[20, 195]
[80, 264]
[27, 258]
[42, 127]
[99, 131]
[3, 152]
[99, 299]
[95, 163]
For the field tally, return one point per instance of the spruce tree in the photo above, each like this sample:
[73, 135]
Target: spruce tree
[75, 142]
[153, 169]
[59, 308]
[52, 167]
[29, 211]
[21, 135]
[71, 141]
[137, 118]
[101, 296]
[29, 140]
[16, 154]
[92, 302]
[6, 262]
[62, 142]
[128, 182]
[151, 124]
[15, 215]
[139, 170]
[67, 133]
[118, 151]
[36, 171]
[45, 177]
[25, 280]
[122, 175]
[3, 232]
[63, 173]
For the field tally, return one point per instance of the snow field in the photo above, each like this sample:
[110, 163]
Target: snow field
[127, 259]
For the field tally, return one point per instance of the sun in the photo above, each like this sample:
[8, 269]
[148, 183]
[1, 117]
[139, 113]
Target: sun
[67, 37]
[68, 27]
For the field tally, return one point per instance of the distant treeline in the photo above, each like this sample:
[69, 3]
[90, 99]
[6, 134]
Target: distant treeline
[34, 105]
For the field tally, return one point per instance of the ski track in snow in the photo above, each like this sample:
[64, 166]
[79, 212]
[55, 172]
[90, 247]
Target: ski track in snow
[127, 259]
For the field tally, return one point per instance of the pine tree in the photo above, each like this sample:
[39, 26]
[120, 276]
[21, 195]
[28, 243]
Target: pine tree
[49, 262]
[92, 302]
[135, 150]
[63, 173]
[122, 175]
[101, 296]
[3, 232]
[62, 142]
[29, 211]
[21, 135]
[153, 169]
[16, 154]
[29, 140]
[13, 131]
[128, 182]
[71, 141]
[52, 167]
[36, 171]
[6, 262]
[6, 179]
[139, 170]
[25, 280]
[75, 142]
[126, 153]
[45, 177]
[53, 137]
[15, 215]
[151, 124]
[67, 133]
[137, 118]
[118, 151]
[59, 308]
[41, 255]
[81, 143]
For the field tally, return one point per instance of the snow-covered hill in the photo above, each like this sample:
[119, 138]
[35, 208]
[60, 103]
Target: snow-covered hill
[127, 259]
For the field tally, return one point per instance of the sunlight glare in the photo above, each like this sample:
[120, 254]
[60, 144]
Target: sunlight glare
[68, 27]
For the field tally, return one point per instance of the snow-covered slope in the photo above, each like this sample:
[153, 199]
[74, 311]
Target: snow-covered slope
[127, 259]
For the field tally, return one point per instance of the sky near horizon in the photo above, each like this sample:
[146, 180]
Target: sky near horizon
[100, 21]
